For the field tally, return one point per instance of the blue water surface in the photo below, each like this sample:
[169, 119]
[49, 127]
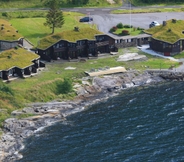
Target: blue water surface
[140, 125]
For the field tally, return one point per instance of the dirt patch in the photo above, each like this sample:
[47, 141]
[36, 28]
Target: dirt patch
[111, 1]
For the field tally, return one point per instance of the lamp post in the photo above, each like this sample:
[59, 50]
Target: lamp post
[130, 16]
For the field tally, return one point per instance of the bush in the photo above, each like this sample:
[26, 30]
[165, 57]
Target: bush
[120, 25]
[113, 29]
[125, 32]
[169, 30]
[64, 87]
[5, 14]
[127, 26]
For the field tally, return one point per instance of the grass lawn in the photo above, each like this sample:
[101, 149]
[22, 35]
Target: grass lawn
[64, 4]
[132, 31]
[146, 10]
[179, 56]
[33, 28]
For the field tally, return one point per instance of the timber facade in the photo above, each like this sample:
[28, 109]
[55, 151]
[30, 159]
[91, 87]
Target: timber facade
[67, 50]
[7, 74]
[166, 48]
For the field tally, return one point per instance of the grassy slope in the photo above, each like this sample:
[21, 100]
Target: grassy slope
[33, 28]
[154, 3]
[64, 4]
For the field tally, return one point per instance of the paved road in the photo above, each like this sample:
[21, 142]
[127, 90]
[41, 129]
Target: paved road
[106, 21]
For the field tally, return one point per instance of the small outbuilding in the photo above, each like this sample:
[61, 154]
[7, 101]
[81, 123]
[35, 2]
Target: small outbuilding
[71, 44]
[167, 38]
[18, 62]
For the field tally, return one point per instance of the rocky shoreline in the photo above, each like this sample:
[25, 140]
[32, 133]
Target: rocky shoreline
[91, 91]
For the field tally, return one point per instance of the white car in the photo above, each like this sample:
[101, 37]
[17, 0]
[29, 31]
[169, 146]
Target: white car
[154, 23]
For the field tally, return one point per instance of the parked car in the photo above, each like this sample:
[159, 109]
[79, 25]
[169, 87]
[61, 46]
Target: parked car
[154, 23]
[86, 19]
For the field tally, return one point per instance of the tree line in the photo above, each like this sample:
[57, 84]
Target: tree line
[156, 1]
[73, 2]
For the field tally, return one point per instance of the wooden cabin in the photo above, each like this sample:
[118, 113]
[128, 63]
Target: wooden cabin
[167, 38]
[73, 44]
[27, 63]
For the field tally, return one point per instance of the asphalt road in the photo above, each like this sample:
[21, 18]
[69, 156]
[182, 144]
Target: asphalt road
[106, 21]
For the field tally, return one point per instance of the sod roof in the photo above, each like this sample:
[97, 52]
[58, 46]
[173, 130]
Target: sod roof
[20, 58]
[71, 36]
[171, 32]
[8, 32]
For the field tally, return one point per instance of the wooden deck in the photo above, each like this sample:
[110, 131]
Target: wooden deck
[113, 70]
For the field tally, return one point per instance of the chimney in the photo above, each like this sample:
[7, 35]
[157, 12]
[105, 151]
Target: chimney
[164, 23]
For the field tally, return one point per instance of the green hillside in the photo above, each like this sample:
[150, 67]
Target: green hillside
[63, 3]
[156, 2]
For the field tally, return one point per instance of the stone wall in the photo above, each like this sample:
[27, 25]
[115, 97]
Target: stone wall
[4, 45]
[132, 42]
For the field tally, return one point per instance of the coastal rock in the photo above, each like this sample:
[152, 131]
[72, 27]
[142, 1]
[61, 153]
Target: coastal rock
[146, 78]
[107, 82]
[45, 114]
[81, 91]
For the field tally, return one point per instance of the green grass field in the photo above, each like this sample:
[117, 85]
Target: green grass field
[33, 28]
[63, 4]
[147, 10]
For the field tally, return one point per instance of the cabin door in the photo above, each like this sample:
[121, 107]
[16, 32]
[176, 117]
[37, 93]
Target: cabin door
[167, 54]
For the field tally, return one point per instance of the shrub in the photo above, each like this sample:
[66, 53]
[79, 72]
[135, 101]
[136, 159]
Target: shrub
[5, 14]
[65, 86]
[140, 28]
[113, 29]
[125, 32]
[169, 30]
[120, 25]
[127, 26]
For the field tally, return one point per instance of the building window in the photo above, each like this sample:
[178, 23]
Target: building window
[61, 45]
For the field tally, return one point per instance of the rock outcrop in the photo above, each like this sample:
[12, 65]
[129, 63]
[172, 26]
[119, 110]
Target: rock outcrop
[45, 114]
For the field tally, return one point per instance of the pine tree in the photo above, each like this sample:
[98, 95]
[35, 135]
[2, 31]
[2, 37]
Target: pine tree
[54, 17]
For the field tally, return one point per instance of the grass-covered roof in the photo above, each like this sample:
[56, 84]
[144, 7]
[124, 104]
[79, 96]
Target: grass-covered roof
[171, 32]
[8, 32]
[20, 58]
[71, 36]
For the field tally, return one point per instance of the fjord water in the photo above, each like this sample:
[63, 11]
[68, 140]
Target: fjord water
[138, 125]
